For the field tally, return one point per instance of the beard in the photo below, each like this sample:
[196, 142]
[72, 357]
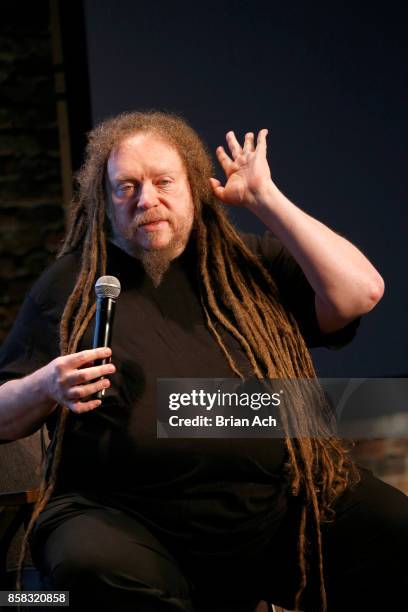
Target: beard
[155, 261]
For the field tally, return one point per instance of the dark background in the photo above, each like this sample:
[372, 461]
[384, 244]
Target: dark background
[330, 83]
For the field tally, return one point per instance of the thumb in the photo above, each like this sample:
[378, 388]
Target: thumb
[217, 187]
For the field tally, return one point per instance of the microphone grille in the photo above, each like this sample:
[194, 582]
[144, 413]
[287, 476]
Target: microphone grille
[107, 286]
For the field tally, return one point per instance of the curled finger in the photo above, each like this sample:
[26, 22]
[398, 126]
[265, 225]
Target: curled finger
[78, 377]
[84, 391]
[80, 407]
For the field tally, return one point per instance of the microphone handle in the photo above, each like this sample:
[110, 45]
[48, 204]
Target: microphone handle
[105, 312]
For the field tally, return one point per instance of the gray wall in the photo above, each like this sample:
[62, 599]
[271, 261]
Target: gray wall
[330, 83]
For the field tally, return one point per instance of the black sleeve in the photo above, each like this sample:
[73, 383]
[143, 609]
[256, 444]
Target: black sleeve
[33, 340]
[31, 343]
[297, 294]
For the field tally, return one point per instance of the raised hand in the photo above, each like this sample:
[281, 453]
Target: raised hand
[246, 170]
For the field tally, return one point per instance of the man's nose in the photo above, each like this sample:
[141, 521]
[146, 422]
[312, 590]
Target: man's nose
[147, 196]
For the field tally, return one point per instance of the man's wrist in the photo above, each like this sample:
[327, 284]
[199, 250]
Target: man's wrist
[270, 204]
[267, 196]
[35, 385]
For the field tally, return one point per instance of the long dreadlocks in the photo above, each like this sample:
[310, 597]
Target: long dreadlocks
[237, 294]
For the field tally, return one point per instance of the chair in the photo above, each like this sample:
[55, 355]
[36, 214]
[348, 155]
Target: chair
[19, 489]
[20, 475]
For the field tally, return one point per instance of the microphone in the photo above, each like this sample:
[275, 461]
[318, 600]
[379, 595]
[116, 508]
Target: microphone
[107, 289]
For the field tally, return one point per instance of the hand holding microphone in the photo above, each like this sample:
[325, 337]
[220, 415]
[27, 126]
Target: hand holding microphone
[73, 381]
[78, 380]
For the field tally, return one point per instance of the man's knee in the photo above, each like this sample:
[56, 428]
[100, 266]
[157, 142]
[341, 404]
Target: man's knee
[387, 511]
[370, 529]
[394, 537]
[82, 565]
[75, 556]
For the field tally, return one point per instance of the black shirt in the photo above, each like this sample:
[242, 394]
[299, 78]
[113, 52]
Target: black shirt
[187, 486]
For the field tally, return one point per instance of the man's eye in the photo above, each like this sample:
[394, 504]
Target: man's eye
[122, 189]
[164, 182]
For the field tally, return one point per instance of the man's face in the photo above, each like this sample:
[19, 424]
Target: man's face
[149, 198]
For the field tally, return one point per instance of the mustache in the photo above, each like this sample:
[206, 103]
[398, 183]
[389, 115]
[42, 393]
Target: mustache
[148, 218]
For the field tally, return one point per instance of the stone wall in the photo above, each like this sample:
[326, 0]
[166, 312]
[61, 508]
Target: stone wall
[31, 210]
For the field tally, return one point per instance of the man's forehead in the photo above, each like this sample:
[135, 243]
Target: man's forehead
[144, 149]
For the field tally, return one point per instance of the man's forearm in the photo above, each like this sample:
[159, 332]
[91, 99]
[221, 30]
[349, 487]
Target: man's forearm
[24, 406]
[338, 272]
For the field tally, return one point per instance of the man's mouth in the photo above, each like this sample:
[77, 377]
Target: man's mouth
[153, 225]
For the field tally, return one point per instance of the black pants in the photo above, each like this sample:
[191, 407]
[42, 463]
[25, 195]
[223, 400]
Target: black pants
[109, 558]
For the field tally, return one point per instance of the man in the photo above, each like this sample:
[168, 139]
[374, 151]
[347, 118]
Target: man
[160, 524]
